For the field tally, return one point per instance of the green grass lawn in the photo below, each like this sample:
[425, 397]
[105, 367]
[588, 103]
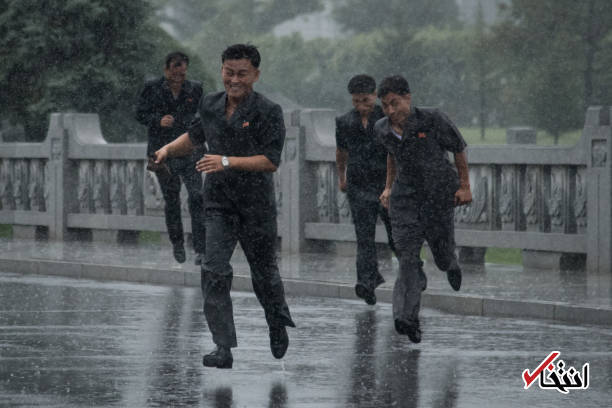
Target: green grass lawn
[6, 231]
[149, 237]
[498, 136]
[508, 256]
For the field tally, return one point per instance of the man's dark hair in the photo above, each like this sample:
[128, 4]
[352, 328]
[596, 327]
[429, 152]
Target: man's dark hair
[361, 84]
[396, 84]
[240, 51]
[176, 56]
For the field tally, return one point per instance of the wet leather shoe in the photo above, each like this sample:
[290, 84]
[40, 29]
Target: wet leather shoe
[279, 341]
[220, 358]
[454, 277]
[366, 294]
[412, 330]
[179, 253]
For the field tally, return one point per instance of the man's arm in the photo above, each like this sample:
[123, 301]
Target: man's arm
[391, 169]
[181, 146]
[463, 195]
[341, 159]
[211, 163]
[146, 113]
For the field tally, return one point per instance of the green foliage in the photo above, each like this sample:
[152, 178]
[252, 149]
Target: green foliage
[81, 56]
[401, 15]
[552, 52]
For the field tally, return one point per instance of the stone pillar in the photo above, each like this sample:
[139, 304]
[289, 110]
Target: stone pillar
[60, 179]
[597, 133]
[295, 197]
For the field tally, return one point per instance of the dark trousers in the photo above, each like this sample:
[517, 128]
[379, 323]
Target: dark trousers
[183, 168]
[416, 219]
[257, 237]
[365, 211]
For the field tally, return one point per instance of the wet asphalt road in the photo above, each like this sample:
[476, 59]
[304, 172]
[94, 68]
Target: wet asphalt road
[75, 343]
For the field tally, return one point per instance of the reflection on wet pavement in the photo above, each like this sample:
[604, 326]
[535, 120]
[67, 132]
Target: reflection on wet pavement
[74, 343]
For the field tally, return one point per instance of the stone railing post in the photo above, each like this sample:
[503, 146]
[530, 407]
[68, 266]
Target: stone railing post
[599, 189]
[293, 179]
[59, 180]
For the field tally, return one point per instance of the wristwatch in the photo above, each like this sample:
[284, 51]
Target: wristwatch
[225, 162]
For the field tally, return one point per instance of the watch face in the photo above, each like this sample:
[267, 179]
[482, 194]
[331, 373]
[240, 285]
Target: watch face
[224, 161]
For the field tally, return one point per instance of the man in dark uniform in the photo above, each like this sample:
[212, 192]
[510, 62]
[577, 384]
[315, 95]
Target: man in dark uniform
[167, 107]
[362, 168]
[245, 133]
[421, 192]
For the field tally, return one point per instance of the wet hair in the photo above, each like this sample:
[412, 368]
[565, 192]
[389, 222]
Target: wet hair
[361, 84]
[396, 84]
[176, 56]
[240, 51]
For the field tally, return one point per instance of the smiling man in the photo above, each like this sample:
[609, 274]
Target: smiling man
[421, 192]
[361, 161]
[167, 106]
[245, 133]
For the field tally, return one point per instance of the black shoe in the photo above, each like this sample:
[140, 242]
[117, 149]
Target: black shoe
[179, 253]
[198, 259]
[366, 294]
[454, 277]
[412, 330]
[424, 277]
[379, 280]
[220, 358]
[279, 341]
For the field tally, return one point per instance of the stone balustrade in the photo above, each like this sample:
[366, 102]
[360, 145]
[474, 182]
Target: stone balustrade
[551, 202]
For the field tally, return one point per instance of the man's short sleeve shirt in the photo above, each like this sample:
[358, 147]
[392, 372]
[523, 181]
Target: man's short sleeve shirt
[256, 128]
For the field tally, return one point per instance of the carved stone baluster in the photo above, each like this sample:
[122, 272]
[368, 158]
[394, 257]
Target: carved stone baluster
[100, 187]
[134, 187]
[556, 200]
[506, 198]
[531, 197]
[36, 188]
[323, 193]
[84, 189]
[6, 185]
[153, 198]
[580, 201]
[344, 209]
[117, 187]
[20, 184]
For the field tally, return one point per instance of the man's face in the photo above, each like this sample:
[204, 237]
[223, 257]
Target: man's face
[396, 107]
[238, 77]
[364, 102]
[176, 72]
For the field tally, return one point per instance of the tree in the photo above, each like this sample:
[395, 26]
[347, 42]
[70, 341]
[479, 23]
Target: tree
[552, 53]
[78, 55]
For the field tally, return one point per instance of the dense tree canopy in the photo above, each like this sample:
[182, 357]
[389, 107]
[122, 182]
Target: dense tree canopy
[78, 55]
[541, 63]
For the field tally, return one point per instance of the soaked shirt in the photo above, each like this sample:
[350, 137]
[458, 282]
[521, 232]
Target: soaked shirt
[256, 128]
[421, 156]
[366, 169]
[156, 101]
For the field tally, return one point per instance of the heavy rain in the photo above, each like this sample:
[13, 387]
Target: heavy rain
[305, 203]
